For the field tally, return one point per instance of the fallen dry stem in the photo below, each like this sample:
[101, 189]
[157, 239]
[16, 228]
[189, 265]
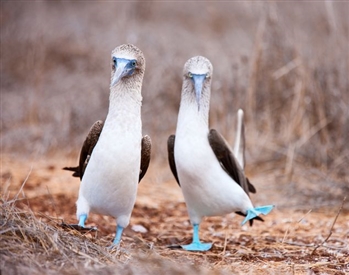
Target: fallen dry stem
[288, 228]
[24, 182]
[330, 233]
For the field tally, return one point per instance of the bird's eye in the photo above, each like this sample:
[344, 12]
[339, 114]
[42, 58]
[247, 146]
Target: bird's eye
[190, 75]
[114, 61]
[133, 63]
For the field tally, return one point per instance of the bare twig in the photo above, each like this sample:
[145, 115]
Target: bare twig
[298, 244]
[287, 230]
[52, 201]
[296, 145]
[301, 219]
[331, 17]
[225, 242]
[24, 182]
[330, 233]
[287, 68]
[255, 65]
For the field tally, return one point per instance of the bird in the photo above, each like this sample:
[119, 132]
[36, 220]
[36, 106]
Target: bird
[114, 156]
[211, 178]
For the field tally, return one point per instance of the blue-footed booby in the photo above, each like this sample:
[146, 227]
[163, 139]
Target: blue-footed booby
[212, 179]
[115, 156]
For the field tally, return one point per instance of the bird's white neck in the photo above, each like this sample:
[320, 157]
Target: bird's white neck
[190, 118]
[124, 103]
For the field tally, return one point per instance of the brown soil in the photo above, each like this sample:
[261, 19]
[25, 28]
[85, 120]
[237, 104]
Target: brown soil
[284, 244]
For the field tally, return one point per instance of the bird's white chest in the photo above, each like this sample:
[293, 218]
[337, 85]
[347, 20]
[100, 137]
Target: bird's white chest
[193, 154]
[111, 177]
[195, 160]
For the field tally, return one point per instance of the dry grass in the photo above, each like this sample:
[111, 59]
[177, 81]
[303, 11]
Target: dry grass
[35, 244]
[40, 245]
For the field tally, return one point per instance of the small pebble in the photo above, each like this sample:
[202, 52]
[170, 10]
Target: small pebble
[139, 228]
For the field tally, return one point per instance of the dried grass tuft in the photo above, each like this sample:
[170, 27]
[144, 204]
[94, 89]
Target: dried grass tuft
[29, 243]
[33, 243]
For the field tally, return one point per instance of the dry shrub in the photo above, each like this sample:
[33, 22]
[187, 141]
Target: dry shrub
[285, 64]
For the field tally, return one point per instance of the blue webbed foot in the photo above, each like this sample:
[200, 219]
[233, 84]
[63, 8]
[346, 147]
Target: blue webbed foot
[78, 227]
[254, 212]
[197, 246]
[81, 226]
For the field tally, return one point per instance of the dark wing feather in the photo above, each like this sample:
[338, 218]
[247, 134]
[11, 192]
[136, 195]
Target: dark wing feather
[171, 158]
[228, 161]
[251, 188]
[73, 169]
[230, 164]
[145, 156]
[87, 148]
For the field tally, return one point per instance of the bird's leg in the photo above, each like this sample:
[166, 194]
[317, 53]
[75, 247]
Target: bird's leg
[118, 234]
[196, 245]
[82, 220]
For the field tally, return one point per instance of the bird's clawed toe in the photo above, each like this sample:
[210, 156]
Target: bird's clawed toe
[78, 227]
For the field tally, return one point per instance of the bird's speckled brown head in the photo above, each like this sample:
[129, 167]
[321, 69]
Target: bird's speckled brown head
[197, 74]
[198, 65]
[127, 64]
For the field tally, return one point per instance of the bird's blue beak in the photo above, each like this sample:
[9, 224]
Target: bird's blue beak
[123, 67]
[198, 80]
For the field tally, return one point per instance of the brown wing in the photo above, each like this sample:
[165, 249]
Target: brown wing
[228, 161]
[87, 148]
[230, 164]
[145, 156]
[171, 158]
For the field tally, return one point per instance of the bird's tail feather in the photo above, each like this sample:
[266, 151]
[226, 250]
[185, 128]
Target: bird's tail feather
[73, 169]
[70, 168]
[254, 212]
[239, 146]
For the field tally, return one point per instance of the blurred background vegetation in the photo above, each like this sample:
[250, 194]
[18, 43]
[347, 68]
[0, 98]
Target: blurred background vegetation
[284, 63]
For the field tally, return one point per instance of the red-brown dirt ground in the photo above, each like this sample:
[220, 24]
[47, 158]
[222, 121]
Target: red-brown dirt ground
[284, 244]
